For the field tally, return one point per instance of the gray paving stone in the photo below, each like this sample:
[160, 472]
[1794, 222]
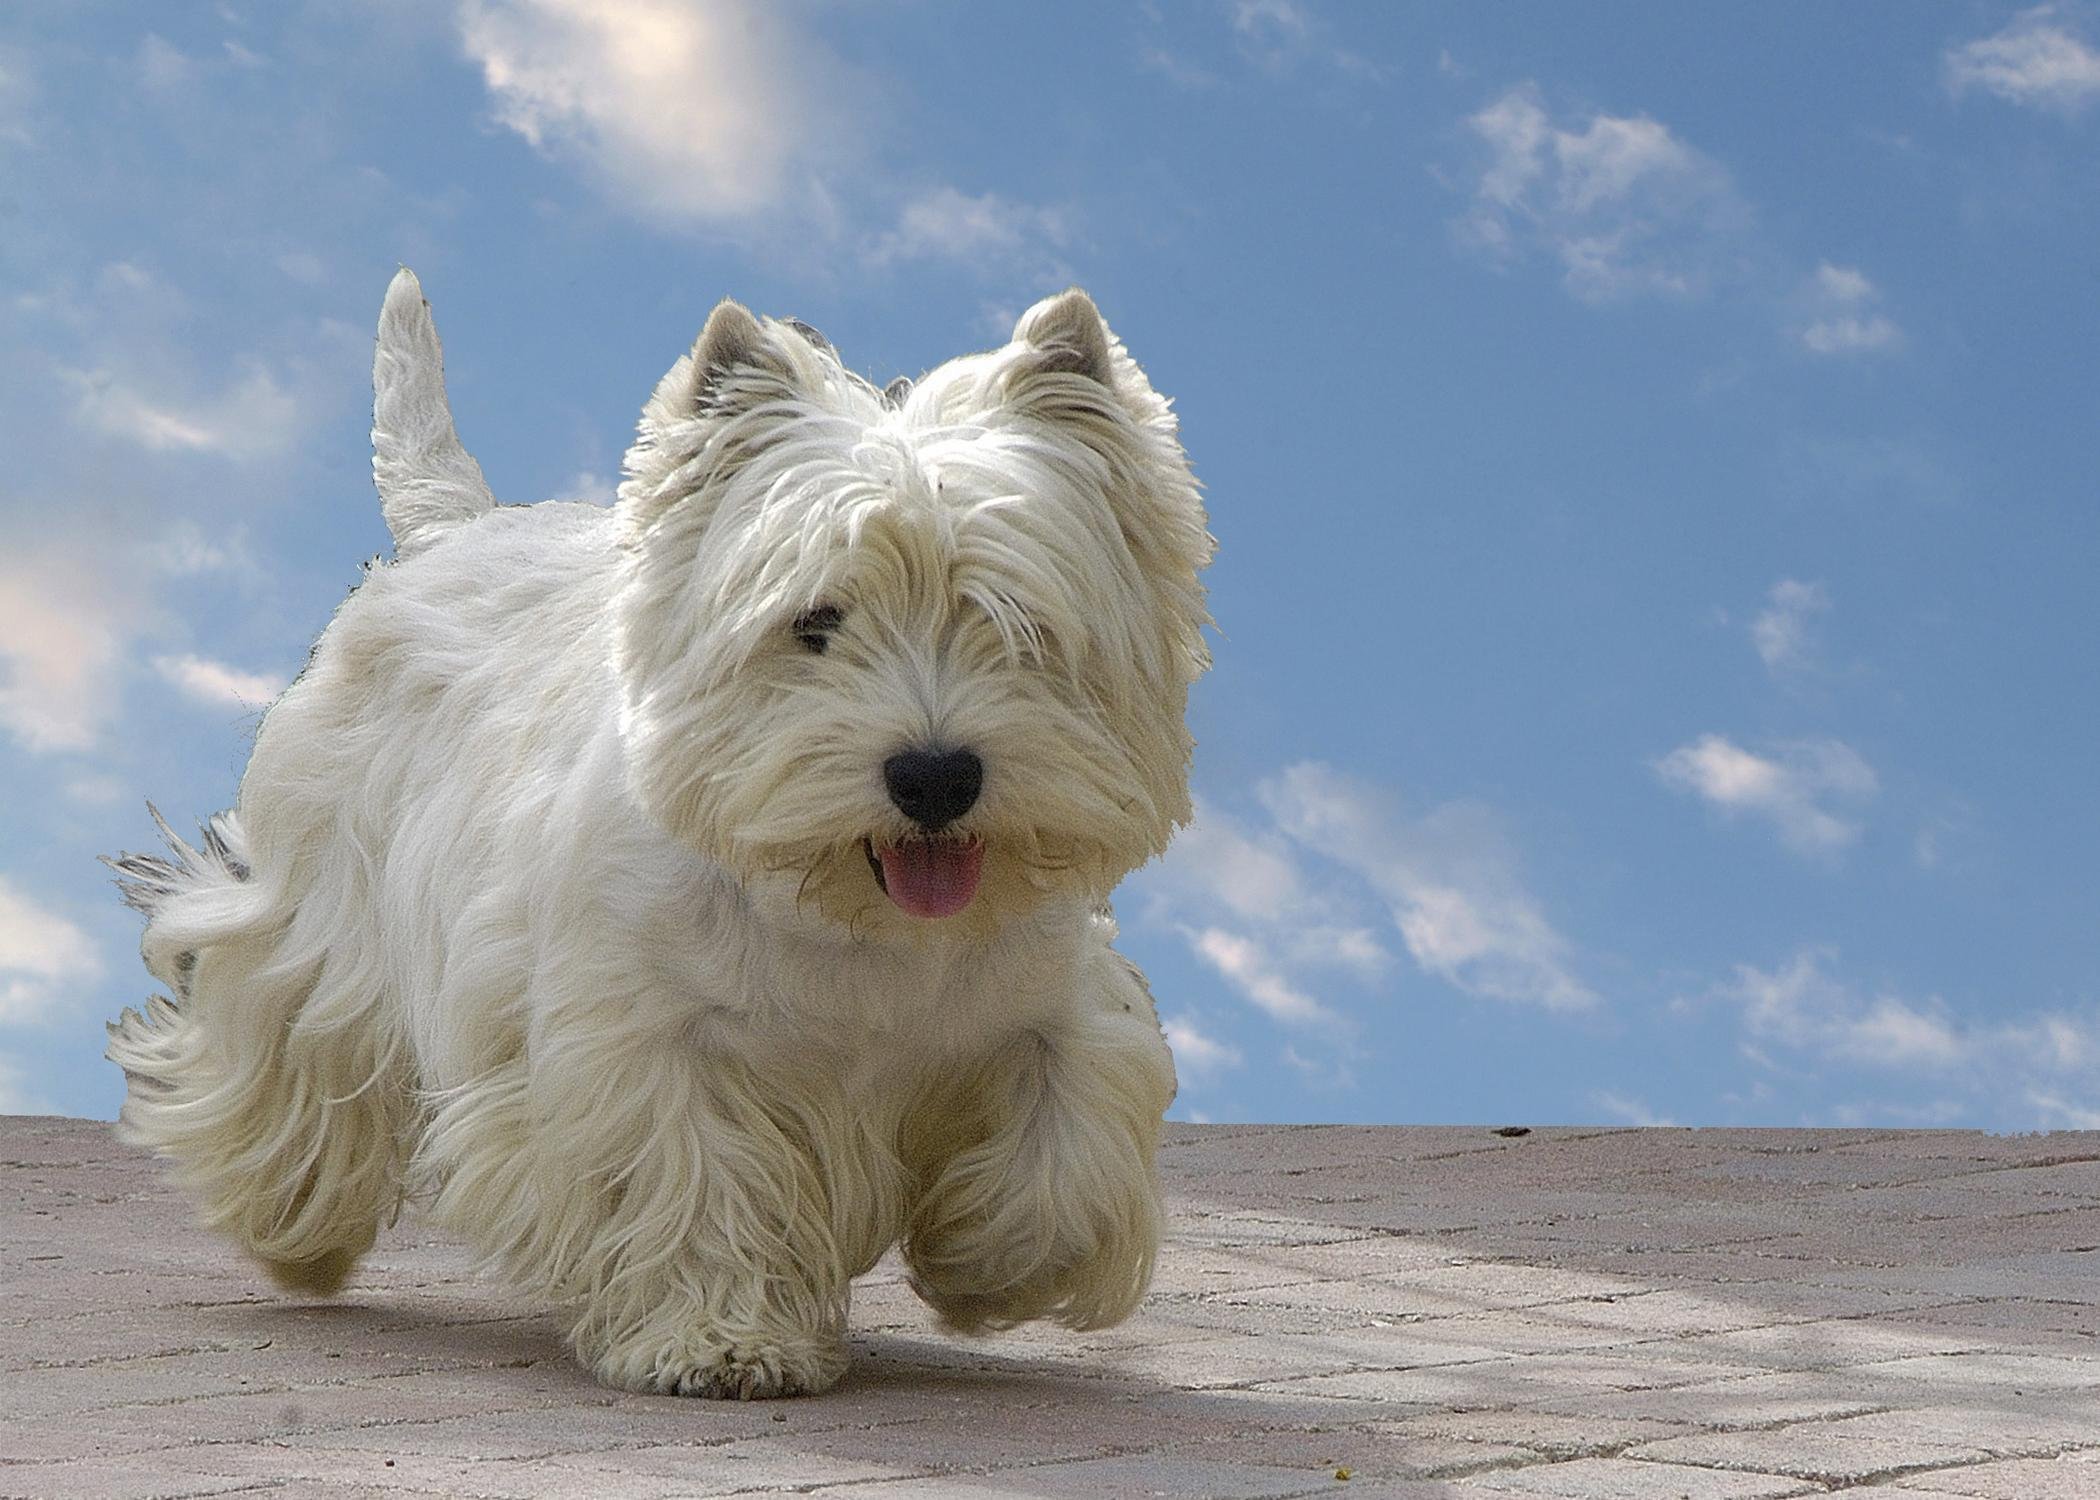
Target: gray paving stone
[2001, 1429]
[1727, 1405]
[2012, 1479]
[1552, 1434]
[1367, 1451]
[1443, 1313]
[1163, 1474]
[1491, 1384]
[1810, 1451]
[134, 1478]
[1624, 1479]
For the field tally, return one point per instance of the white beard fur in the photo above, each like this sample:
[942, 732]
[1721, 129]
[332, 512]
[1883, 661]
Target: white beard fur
[548, 899]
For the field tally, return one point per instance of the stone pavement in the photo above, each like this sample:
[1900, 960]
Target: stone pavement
[1605, 1314]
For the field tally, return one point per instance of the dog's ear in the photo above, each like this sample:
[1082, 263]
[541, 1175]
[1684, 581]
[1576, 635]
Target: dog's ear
[1068, 330]
[732, 340]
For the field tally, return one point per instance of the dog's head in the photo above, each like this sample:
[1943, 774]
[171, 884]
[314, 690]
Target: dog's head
[915, 657]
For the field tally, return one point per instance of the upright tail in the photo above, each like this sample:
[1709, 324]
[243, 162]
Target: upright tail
[428, 483]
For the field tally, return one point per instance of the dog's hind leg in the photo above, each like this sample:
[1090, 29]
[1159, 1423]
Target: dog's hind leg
[279, 1104]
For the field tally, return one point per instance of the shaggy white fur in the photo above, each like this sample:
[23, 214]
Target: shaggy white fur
[689, 900]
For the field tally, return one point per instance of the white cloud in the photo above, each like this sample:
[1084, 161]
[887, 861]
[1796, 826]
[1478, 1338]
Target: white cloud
[1246, 906]
[253, 417]
[1254, 875]
[1280, 35]
[693, 111]
[1875, 471]
[41, 956]
[15, 1097]
[16, 92]
[1621, 203]
[2035, 59]
[185, 551]
[944, 224]
[1196, 1053]
[2050, 1060]
[1803, 1007]
[1253, 971]
[303, 266]
[215, 682]
[1449, 882]
[1842, 316]
[1354, 948]
[96, 788]
[1782, 632]
[1625, 1108]
[1269, 27]
[588, 487]
[162, 66]
[731, 116]
[71, 612]
[1176, 69]
[61, 646]
[2066, 1114]
[1788, 788]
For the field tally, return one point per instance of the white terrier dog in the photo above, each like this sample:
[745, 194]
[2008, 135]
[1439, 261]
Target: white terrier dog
[691, 899]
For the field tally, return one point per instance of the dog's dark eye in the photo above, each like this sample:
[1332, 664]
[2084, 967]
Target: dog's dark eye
[813, 627]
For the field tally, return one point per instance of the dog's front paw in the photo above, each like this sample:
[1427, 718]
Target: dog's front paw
[991, 1248]
[701, 1363]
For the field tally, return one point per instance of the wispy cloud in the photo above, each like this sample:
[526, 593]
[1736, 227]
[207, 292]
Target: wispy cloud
[1790, 788]
[1448, 879]
[186, 550]
[2037, 59]
[1280, 35]
[161, 66]
[15, 1097]
[2066, 1114]
[217, 683]
[1176, 69]
[1812, 1018]
[1255, 972]
[1842, 314]
[1197, 1054]
[1627, 1109]
[44, 959]
[1891, 472]
[1333, 873]
[1247, 906]
[944, 224]
[1783, 631]
[16, 93]
[1619, 202]
[256, 415]
[587, 487]
[1802, 1007]
[62, 637]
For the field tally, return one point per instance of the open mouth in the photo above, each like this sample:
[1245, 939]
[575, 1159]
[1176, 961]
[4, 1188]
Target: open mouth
[927, 877]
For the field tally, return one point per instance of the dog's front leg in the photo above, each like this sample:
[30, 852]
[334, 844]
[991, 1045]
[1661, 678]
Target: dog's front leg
[1049, 1207]
[713, 1269]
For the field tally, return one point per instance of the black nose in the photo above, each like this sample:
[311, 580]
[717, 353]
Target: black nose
[933, 787]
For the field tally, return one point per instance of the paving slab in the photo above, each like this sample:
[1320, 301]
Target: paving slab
[1386, 1313]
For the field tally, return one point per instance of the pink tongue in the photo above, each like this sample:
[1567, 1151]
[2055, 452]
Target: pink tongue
[931, 877]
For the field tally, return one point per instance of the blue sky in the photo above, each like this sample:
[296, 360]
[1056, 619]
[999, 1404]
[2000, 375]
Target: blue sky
[1652, 451]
